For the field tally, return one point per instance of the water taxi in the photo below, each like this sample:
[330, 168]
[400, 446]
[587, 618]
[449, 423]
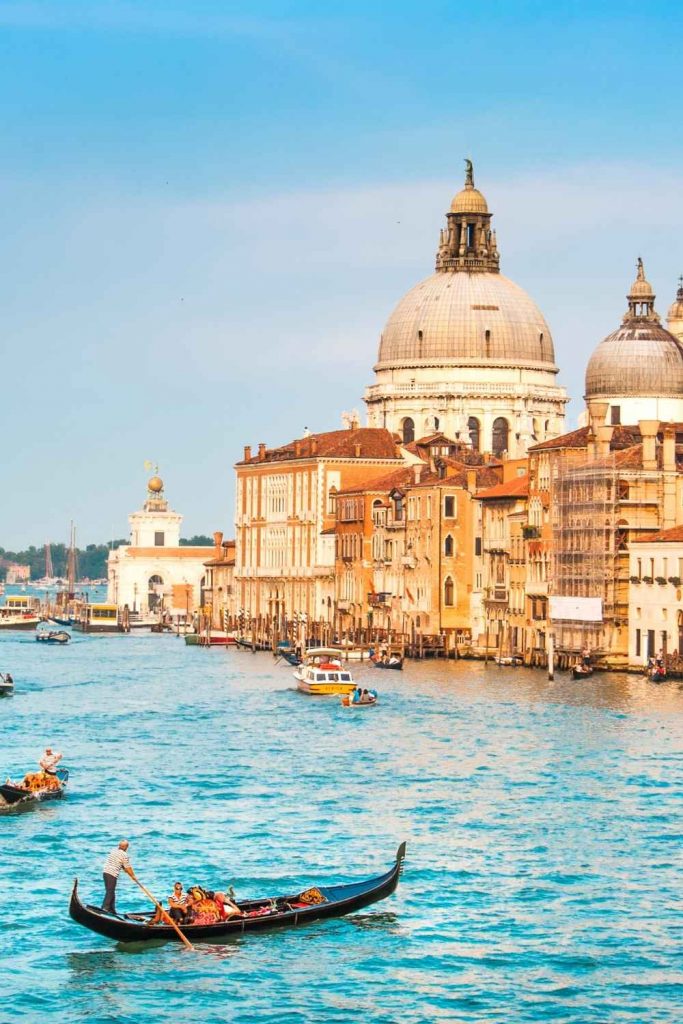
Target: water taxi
[19, 612]
[97, 618]
[322, 674]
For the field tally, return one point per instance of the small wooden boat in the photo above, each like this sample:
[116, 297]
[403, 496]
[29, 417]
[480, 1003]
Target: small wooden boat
[214, 639]
[657, 674]
[291, 657]
[393, 663]
[68, 621]
[6, 688]
[54, 636]
[581, 671]
[368, 701]
[288, 911]
[16, 795]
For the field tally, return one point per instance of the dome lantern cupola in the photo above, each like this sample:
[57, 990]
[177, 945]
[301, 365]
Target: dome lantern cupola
[467, 242]
[674, 318]
[641, 298]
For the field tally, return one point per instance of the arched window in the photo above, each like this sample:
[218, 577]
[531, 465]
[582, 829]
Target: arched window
[408, 430]
[474, 427]
[499, 441]
[448, 546]
[448, 592]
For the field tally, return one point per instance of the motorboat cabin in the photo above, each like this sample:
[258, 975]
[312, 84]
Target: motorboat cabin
[322, 674]
[97, 618]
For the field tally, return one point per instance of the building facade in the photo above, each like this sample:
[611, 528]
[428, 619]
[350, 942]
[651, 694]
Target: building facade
[154, 575]
[285, 518]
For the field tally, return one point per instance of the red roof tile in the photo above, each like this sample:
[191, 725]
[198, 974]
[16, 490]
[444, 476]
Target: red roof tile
[515, 488]
[370, 442]
[673, 535]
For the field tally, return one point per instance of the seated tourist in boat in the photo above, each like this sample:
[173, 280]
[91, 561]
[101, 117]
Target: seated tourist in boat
[177, 906]
[201, 907]
[227, 906]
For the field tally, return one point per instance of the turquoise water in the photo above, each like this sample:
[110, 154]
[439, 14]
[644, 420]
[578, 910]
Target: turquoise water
[544, 872]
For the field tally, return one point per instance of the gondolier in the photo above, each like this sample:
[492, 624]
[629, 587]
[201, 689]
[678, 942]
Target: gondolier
[117, 859]
[50, 760]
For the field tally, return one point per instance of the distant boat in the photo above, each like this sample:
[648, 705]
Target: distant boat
[53, 636]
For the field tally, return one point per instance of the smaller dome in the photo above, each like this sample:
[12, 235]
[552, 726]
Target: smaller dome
[469, 200]
[156, 485]
[676, 307]
[638, 360]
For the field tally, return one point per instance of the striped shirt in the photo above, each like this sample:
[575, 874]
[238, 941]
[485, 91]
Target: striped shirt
[116, 860]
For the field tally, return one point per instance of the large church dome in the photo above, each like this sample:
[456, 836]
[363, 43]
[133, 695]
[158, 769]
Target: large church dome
[640, 359]
[472, 318]
[467, 351]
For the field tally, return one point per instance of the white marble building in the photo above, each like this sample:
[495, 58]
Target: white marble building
[155, 575]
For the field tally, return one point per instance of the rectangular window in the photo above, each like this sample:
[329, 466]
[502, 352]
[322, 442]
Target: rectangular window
[637, 643]
[159, 539]
[615, 415]
[449, 506]
[477, 545]
[650, 643]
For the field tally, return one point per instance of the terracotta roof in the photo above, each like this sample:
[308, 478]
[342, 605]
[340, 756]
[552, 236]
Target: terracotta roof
[673, 535]
[386, 482]
[622, 437]
[515, 488]
[368, 442]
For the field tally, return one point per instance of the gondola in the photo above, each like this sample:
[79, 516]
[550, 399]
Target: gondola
[59, 636]
[258, 915]
[581, 671]
[396, 665]
[14, 796]
[63, 622]
[291, 657]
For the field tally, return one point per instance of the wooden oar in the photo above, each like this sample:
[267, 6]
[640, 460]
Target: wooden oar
[166, 917]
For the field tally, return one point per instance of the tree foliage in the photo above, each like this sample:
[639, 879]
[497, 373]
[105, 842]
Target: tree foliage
[91, 561]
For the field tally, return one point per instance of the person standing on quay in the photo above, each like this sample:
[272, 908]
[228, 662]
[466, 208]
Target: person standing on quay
[117, 859]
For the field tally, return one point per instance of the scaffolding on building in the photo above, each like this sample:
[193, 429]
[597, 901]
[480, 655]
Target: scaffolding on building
[585, 541]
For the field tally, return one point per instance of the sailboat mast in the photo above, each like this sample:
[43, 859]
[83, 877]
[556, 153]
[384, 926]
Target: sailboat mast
[71, 562]
[49, 572]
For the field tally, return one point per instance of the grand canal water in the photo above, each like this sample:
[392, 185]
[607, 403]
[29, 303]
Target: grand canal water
[544, 872]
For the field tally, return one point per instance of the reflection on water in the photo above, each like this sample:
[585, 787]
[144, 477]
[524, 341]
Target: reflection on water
[542, 880]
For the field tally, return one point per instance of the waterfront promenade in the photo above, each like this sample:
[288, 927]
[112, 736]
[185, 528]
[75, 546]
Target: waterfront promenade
[543, 874]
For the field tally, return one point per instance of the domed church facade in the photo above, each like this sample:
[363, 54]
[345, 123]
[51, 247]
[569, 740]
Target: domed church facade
[467, 352]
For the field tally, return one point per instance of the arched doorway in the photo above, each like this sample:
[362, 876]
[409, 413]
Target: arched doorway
[155, 592]
[499, 439]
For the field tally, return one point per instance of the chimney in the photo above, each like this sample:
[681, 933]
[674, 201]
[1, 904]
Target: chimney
[603, 440]
[471, 480]
[297, 449]
[417, 471]
[356, 449]
[247, 453]
[262, 452]
[218, 542]
[669, 448]
[590, 444]
[314, 446]
[648, 432]
[597, 414]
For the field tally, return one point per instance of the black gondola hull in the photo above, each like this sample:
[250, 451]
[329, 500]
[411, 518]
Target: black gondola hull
[341, 900]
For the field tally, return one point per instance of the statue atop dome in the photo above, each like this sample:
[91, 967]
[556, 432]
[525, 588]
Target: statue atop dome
[641, 298]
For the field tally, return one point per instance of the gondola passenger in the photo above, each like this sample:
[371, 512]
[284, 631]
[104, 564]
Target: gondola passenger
[177, 906]
[201, 907]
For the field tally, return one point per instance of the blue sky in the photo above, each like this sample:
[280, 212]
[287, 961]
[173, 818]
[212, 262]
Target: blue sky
[209, 210]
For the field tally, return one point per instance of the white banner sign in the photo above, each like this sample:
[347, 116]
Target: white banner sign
[576, 609]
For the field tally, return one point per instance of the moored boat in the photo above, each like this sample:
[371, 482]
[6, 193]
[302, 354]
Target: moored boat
[214, 639]
[6, 685]
[36, 790]
[393, 662]
[300, 908]
[581, 671]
